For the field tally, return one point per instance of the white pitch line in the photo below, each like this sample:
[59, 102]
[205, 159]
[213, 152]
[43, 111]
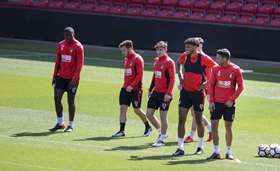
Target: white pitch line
[30, 165]
[150, 152]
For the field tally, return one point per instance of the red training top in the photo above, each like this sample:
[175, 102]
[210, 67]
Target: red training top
[164, 75]
[69, 60]
[133, 71]
[195, 67]
[222, 85]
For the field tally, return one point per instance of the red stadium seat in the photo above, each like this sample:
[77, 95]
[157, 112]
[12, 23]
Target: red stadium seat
[41, 3]
[261, 20]
[213, 16]
[154, 2]
[186, 3]
[277, 11]
[197, 14]
[181, 14]
[245, 19]
[275, 22]
[103, 6]
[118, 9]
[88, 5]
[218, 5]
[166, 12]
[150, 11]
[229, 17]
[234, 6]
[138, 1]
[56, 3]
[250, 7]
[266, 8]
[202, 4]
[74, 4]
[169, 2]
[134, 9]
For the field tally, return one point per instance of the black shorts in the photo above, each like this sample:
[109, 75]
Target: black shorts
[134, 97]
[64, 84]
[221, 109]
[189, 99]
[157, 101]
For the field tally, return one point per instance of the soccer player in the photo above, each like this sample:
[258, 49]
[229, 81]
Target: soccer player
[160, 91]
[193, 81]
[223, 95]
[131, 91]
[66, 76]
[206, 123]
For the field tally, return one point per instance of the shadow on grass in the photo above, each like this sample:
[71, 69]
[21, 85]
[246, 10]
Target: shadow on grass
[34, 134]
[103, 138]
[157, 157]
[195, 161]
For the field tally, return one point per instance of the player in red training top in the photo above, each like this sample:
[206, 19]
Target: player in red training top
[131, 91]
[206, 123]
[192, 76]
[223, 94]
[160, 91]
[66, 76]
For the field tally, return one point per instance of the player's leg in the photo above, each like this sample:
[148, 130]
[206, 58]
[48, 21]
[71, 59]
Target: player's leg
[207, 124]
[72, 109]
[136, 103]
[189, 138]
[181, 131]
[60, 88]
[216, 115]
[152, 106]
[229, 117]
[124, 103]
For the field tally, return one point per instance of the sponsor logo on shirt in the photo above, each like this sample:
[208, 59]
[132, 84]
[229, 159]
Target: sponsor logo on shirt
[128, 72]
[66, 58]
[224, 84]
[157, 74]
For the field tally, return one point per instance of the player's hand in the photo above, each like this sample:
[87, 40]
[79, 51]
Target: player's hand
[180, 86]
[202, 86]
[167, 98]
[229, 103]
[211, 106]
[53, 81]
[129, 88]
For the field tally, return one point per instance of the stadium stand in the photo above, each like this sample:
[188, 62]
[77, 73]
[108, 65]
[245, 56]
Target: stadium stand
[265, 13]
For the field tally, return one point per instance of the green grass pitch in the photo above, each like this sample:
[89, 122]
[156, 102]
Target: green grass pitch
[27, 111]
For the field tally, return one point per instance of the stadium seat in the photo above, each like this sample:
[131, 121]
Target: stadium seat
[72, 4]
[150, 11]
[275, 21]
[186, 3]
[166, 12]
[88, 5]
[229, 17]
[134, 9]
[154, 2]
[202, 4]
[234, 6]
[197, 14]
[213, 16]
[277, 11]
[245, 19]
[218, 5]
[266, 8]
[41, 3]
[56, 3]
[250, 7]
[118, 9]
[169, 2]
[261, 19]
[138, 1]
[103, 6]
[181, 14]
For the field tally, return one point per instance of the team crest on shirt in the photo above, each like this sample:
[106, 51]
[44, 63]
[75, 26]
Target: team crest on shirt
[71, 50]
[62, 47]
[219, 73]
[230, 75]
[162, 66]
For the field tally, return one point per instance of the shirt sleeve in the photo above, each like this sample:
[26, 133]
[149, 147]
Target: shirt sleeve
[240, 84]
[80, 63]
[172, 73]
[152, 85]
[208, 61]
[182, 58]
[57, 61]
[211, 85]
[139, 64]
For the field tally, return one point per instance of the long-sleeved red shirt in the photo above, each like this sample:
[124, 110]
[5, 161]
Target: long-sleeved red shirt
[164, 75]
[222, 85]
[133, 71]
[195, 70]
[69, 60]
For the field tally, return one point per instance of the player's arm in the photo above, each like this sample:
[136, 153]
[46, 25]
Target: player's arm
[240, 84]
[57, 64]
[80, 63]
[139, 63]
[211, 87]
[152, 85]
[209, 63]
[179, 68]
[172, 74]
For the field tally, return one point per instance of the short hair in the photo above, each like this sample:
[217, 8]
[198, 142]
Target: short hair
[126, 43]
[200, 39]
[69, 29]
[192, 41]
[224, 52]
[162, 44]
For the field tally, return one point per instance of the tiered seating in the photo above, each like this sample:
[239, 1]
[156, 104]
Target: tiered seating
[244, 12]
